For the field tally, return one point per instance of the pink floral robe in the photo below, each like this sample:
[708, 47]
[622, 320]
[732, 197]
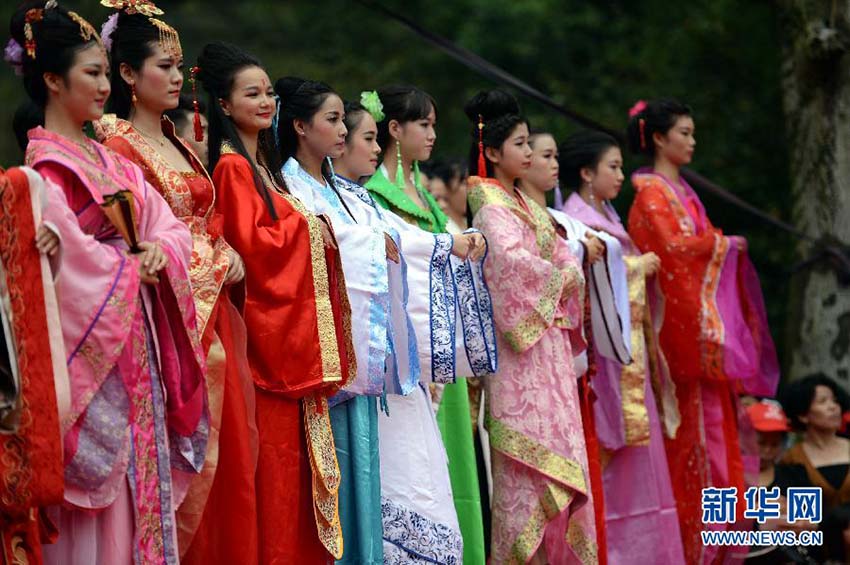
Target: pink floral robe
[539, 458]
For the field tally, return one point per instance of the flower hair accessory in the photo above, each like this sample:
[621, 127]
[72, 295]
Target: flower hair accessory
[14, 55]
[32, 16]
[370, 100]
[637, 108]
[108, 29]
[143, 7]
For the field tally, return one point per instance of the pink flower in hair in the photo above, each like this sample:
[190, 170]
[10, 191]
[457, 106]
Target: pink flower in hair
[639, 107]
[14, 55]
[106, 31]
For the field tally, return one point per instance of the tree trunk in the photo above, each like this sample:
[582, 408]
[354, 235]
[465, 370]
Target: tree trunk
[816, 86]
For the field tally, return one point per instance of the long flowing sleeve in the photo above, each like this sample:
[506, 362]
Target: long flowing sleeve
[536, 294]
[292, 339]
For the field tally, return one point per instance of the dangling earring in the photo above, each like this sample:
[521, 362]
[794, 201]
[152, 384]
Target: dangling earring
[133, 97]
[590, 187]
[399, 171]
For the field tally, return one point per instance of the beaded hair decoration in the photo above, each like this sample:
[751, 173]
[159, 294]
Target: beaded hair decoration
[169, 40]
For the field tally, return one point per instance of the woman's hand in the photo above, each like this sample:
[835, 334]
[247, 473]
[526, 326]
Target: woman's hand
[595, 248]
[236, 271]
[46, 241]
[152, 260]
[651, 263]
[393, 253]
[469, 246]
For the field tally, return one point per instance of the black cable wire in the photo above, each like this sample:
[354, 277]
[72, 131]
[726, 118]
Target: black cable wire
[836, 254]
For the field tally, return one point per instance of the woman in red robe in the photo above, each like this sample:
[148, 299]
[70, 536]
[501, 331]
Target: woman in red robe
[222, 497]
[714, 330]
[296, 312]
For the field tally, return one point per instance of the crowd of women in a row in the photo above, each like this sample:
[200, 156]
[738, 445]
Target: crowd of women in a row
[267, 363]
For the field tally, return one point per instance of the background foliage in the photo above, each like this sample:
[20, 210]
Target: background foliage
[720, 56]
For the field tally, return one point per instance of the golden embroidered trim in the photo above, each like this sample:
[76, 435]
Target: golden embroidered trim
[325, 470]
[528, 331]
[633, 375]
[554, 500]
[537, 456]
[582, 544]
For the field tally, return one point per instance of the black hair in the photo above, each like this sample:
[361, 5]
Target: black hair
[581, 150]
[658, 116]
[798, 396]
[183, 114]
[500, 112]
[27, 116]
[403, 104]
[299, 100]
[835, 521]
[58, 39]
[132, 42]
[354, 112]
[219, 64]
[443, 170]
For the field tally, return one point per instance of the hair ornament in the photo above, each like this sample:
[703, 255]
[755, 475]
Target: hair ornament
[169, 40]
[143, 7]
[482, 161]
[14, 55]
[637, 108]
[87, 31]
[642, 126]
[196, 120]
[108, 29]
[370, 100]
[32, 16]
[50, 4]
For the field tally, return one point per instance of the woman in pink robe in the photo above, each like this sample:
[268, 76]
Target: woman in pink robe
[539, 459]
[640, 511]
[137, 399]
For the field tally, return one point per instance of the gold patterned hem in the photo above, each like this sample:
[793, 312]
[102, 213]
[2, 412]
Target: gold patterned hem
[528, 331]
[325, 471]
[522, 448]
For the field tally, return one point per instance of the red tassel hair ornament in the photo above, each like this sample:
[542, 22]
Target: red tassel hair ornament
[196, 120]
[482, 161]
[642, 126]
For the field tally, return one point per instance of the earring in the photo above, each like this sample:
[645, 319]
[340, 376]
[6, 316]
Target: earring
[590, 187]
[399, 171]
[133, 97]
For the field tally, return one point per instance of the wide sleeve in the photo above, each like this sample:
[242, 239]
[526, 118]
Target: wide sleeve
[653, 227]
[290, 322]
[530, 294]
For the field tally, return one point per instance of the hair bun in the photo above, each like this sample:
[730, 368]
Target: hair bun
[491, 104]
[286, 87]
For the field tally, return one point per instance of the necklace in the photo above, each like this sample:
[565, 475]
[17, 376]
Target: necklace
[158, 139]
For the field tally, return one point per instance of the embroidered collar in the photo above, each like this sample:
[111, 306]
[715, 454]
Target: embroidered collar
[380, 184]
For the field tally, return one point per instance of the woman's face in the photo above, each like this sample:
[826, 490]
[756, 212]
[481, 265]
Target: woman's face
[361, 148]
[85, 88]
[514, 156]
[418, 136]
[607, 178]
[678, 144]
[251, 104]
[824, 412]
[325, 133]
[438, 189]
[770, 447]
[457, 195]
[542, 174]
[159, 81]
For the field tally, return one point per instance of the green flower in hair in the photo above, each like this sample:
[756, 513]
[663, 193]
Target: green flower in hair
[370, 100]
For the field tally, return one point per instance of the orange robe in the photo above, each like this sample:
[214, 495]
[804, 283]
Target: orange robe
[222, 497]
[299, 336]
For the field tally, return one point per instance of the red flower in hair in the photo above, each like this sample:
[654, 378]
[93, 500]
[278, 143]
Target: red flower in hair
[638, 107]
